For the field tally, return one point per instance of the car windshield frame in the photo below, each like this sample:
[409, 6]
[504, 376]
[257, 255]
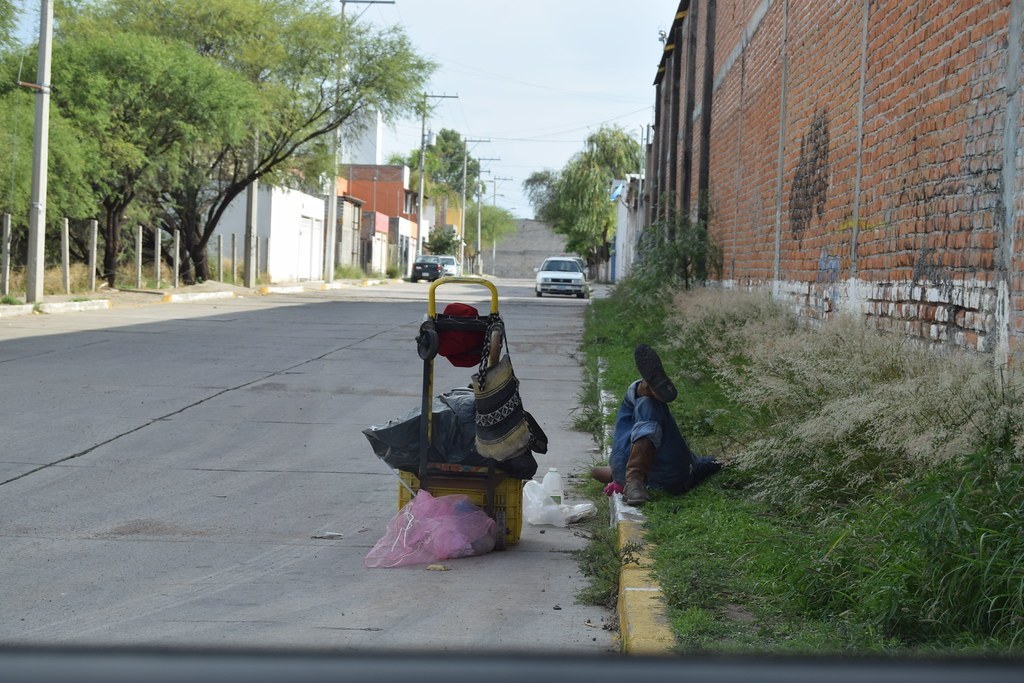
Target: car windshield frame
[549, 266]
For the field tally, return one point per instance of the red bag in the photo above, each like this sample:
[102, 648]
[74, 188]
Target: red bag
[462, 348]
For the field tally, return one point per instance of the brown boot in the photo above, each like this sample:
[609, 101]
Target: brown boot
[641, 457]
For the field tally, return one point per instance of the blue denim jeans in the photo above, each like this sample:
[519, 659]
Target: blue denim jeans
[676, 469]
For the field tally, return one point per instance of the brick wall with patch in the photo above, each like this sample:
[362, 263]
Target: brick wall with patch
[867, 156]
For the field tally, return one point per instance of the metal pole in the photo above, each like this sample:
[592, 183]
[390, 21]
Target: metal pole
[40, 158]
[234, 257]
[220, 258]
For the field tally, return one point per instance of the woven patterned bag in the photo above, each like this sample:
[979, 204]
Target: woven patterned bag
[502, 429]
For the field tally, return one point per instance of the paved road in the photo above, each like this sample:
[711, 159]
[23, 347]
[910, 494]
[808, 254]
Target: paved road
[164, 468]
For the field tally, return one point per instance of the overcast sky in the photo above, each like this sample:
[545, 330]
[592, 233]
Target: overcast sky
[534, 77]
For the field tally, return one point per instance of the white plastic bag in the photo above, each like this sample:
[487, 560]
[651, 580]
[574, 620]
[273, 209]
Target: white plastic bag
[574, 513]
[539, 508]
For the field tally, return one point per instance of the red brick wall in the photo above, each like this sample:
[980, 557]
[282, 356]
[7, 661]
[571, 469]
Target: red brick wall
[933, 242]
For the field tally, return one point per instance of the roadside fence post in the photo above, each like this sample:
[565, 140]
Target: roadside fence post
[234, 252]
[5, 256]
[220, 258]
[65, 256]
[138, 257]
[94, 229]
[157, 256]
[177, 256]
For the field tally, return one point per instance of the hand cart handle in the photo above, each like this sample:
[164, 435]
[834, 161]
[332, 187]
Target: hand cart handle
[432, 303]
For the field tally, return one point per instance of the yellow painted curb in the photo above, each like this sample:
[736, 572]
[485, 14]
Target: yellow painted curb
[643, 625]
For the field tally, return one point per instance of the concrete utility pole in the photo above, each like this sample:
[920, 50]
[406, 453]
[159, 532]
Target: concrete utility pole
[37, 210]
[479, 267]
[331, 227]
[494, 181]
[249, 267]
[462, 212]
[423, 151]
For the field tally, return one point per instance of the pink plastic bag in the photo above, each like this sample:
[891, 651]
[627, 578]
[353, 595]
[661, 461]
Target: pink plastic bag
[429, 529]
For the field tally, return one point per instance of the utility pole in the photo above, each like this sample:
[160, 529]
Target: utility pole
[37, 209]
[494, 181]
[462, 212]
[479, 268]
[494, 202]
[331, 228]
[423, 151]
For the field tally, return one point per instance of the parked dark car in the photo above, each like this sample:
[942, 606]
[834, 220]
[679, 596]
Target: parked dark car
[427, 268]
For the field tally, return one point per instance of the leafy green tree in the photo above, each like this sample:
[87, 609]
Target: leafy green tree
[443, 166]
[496, 223]
[8, 17]
[72, 158]
[146, 103]
[574, 201]
[443, 240]
[449, 152]
[311, 72]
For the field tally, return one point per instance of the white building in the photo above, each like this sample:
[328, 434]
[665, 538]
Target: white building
[290, 228]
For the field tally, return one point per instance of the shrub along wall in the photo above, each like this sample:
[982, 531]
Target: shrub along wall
[862, 156]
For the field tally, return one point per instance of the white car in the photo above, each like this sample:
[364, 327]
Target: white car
[561, 275]
[451, 266]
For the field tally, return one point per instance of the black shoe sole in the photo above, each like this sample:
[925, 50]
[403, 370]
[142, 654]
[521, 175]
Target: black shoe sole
[651, 369]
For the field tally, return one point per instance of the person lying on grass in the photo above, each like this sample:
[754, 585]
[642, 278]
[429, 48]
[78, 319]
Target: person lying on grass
[648, 450]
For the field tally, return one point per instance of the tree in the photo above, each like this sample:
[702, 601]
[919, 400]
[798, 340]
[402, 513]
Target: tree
[8, 16]
[293, 53]
[495, 223]
[443, 240]
[450, 157]
[575, 200]
[72, 158]
[146, 103]
[443, 166]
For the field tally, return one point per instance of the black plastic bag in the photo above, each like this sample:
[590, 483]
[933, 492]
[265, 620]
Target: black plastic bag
[453, 438]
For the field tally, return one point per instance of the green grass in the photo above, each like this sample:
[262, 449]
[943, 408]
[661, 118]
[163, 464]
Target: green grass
[349, 273]
[10, 301]
[873, 499]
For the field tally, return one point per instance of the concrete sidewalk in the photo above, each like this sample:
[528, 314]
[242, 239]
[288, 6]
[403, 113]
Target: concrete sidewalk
[104, 297]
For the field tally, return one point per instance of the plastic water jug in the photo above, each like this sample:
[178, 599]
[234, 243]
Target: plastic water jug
[553, 485]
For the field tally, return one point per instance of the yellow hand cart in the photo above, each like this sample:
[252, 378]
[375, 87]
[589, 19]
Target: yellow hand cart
[500, 495]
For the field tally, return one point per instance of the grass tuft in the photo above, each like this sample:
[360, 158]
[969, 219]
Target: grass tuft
[874, 497]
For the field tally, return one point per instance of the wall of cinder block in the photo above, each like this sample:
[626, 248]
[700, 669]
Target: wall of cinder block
[867, 156]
